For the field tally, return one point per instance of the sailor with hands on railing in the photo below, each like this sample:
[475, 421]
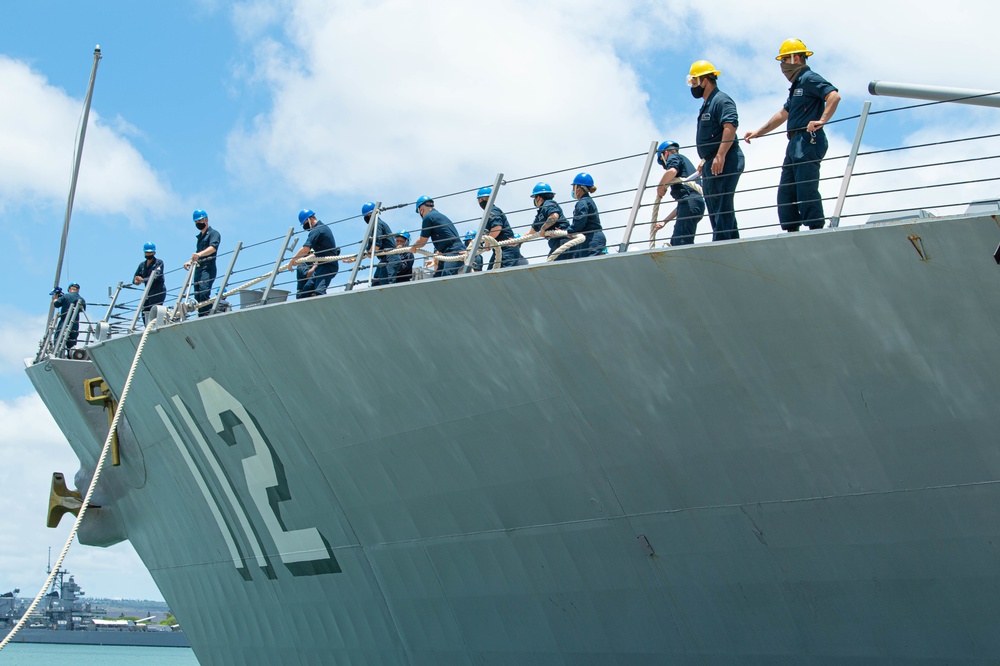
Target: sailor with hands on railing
[477, 261]
[499, 228]
[321, 243]
[388, 265]
[548, 216]
[404, 273]
[65, 304]
[721, 158]
[206, 249]
[586, 219]
[151, 267]
[812, 101]
[437, 228]
[690, 203]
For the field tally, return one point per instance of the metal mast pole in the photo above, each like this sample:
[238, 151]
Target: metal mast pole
[76, 172]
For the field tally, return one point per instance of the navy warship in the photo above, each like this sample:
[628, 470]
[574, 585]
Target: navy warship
[64, 617]
[777, 449]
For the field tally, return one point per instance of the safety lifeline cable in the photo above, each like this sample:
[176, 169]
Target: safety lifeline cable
[90, 491]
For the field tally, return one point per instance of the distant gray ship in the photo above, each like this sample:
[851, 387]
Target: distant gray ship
[774, 450]
[64, 618]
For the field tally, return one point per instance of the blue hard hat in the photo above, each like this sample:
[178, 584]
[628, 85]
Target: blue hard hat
[484, 192]
[667, 144]
[56, 292]
[73, 284]
[405, 234]
[199, 215]
[367, 208]
[422, 200]
[541, 188]
[469, 235]
[583, 178]
[149, 247]
[305, 214]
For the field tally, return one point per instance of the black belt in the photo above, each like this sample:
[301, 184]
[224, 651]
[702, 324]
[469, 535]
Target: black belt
[794, 133]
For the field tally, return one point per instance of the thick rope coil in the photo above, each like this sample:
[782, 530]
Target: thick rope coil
[90, 491]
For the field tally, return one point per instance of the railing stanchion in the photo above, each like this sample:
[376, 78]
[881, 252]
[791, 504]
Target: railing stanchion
[634, 213]
[369, 238]
[844, 184]
[114, 299]
[145, 292]
[175, 315]
[225, 278]
[277, 265]
[474, 245]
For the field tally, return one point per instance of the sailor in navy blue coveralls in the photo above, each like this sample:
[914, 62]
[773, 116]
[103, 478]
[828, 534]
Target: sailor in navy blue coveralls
[690, 205]
[388, 265]
[587, 220]
[812, 101]
[437, 228]
[499, 228]
[321, 243]
[550, 216]
[158, 290]
[65, 303]
[206, 248]
[719, 150]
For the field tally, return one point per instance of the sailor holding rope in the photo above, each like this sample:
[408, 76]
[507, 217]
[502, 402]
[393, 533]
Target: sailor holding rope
[690, 204]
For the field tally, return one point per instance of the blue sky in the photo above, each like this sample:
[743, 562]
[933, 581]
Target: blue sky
[254, 110]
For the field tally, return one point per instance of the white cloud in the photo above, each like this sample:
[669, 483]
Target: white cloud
[31, 448]
[380, 96]
[19, 337]
[38, 130]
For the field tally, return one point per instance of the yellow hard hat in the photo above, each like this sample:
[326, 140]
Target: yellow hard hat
[702, 68]
[790, 46]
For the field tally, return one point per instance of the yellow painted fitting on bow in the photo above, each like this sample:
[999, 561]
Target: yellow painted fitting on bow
[97, 392]
[62, 500]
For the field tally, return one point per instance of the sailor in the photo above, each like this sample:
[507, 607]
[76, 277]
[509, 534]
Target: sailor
[405, 271]
[158, 289]
[65, 303]
[548, 216]
[388, 265]
[586, 219]
[690, 204]
[499, 228]
[321, 243]
[812, 101]
[477, 262]
[442, 232]
[206, 249]
[718, 149]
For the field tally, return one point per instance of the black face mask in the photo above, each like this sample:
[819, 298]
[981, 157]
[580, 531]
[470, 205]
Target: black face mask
[482, 204]
[201, 225]
[697, 91]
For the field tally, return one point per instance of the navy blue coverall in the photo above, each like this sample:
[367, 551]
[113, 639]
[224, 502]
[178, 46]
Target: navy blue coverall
[158, 291]
[690, 204]
[511, 254]
[548, 207]
[322, 243]
[205, 271]
[587, 220]
[799, 200]
[444, 235]
[719, 190]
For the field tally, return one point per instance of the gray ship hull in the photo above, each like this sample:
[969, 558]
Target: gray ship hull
[779, 450]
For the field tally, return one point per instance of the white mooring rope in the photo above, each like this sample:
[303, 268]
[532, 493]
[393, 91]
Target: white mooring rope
[90, 491]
